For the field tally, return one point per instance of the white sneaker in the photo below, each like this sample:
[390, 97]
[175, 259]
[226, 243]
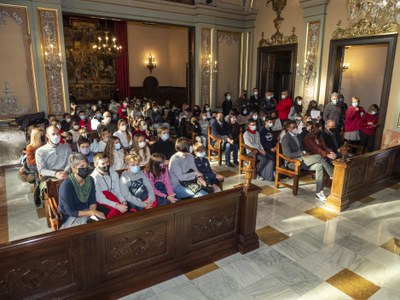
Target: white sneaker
[320, 196]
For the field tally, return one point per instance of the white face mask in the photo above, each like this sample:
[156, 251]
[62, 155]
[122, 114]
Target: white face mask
[355, 104]
[334, 101]
[283, 96]
[76, 127]
[204, 117]
[228, 97]
[255, 93]
[269, 97]
[144, 127]
[270, 124]
[142, 144]
[123, 127]
[295, 131]
[299, 102]
[85, 151]
[255, 117]
[55, 139]
[107, 120]
[373, 112]
[190, 149]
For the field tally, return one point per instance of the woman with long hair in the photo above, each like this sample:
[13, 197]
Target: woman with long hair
[296, 110]
[37, 140]
[115, 153]
[157, 173]
[140, 148]
[124, 134]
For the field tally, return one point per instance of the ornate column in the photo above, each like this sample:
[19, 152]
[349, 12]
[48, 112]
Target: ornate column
[310, 67]
[52, 60]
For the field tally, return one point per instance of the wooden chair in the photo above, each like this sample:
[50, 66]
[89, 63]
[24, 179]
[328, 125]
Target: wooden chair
[243, 157]
[281, 169]
[53, 215]
[214, 144]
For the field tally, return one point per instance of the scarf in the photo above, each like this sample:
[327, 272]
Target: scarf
[83, 191]
[252, 131]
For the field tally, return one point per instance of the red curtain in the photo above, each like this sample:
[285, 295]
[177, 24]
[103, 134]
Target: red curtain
[122, 62]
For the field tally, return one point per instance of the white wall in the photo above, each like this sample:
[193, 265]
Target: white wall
[168, 44]
[364, 78]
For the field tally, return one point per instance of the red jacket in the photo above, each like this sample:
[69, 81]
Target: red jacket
[122, 112]
[312, 147]
[283, 108]
[353, 118]
[368, 129]
[85, 123]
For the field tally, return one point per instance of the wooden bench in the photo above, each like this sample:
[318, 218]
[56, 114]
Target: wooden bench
[115, 257]
[281, 169]
[243, 157]
[53, 215]
[359, 176]
[214, 144]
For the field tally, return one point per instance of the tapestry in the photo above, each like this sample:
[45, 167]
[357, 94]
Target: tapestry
[90, 76]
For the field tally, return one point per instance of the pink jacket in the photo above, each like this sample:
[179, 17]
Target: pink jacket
[164, 178]
[353, 119]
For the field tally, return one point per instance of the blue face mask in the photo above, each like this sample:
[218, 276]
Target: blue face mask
[135, 169]
[165, 137]
[253, 128]
[83, 117]
[201, 154]
[117, 146]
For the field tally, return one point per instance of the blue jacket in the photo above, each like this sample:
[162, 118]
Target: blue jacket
[69, 203]
[203, 166]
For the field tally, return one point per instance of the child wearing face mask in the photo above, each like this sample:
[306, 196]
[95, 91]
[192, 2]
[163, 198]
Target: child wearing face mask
[74, 131]
[164, 145]
[203, 166]
[135, 187]
[157, 173]
[105, 136]
[115, 153]
[124, 134]
[268, 139]
[140, 148]
[84, 148]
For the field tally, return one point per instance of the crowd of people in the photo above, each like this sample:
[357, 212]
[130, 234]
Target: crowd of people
[124, 157]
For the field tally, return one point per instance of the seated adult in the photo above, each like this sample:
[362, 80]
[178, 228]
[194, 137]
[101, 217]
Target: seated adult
[52, 158]
[106, 123]
[220, 129]
[291, 149]
[314, 144]
[77, 194]
[265, 166]
[332, 138]
[108, 195]
[164, 145]
[304, 132]
[66, 122]
[193, 126]
[186, 180]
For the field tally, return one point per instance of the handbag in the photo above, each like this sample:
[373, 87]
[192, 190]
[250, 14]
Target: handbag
[192, 185]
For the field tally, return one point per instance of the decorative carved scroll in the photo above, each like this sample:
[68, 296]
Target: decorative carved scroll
[50, 40]
[368, 18]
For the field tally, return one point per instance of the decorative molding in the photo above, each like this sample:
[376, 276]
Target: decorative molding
[278, 37]
[369, 18]
[312, 59]
[14, 16]
[50, 43]
[229, 37]
[9, 102]
[205, 77]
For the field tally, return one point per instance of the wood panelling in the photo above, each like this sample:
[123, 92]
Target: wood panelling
[118, 256]
[362, 175]
[177, 95]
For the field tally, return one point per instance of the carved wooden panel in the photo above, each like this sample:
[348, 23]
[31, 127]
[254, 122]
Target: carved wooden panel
[379, 166]
[46, 272]
[210, 223]
[356, 177]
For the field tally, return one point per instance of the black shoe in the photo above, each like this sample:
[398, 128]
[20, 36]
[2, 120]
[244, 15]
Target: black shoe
[236, 163]
[228, 164]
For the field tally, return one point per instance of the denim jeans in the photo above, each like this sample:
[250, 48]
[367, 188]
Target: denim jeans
[183, 192]
[231, 147]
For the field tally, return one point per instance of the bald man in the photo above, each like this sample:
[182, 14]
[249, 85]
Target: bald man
[52, 158]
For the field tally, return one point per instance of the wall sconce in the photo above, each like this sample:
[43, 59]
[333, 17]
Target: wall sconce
[345, 67]
[52, 59]
[151, 63]
[210, 66]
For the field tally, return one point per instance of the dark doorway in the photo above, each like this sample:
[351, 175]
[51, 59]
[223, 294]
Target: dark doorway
[335, 72]
[276, 69]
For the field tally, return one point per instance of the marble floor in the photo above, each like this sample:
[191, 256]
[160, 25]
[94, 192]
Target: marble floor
[306, 251]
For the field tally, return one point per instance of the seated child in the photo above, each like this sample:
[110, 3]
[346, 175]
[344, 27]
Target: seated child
[164, 145]
[105, 136]
[157, 173]
[115, 153]
[84, 148]
[203, 166]
[108, 195]
[135, 187]
[140, 148]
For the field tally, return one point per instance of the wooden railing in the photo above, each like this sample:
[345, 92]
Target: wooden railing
[115, 257]
[360, 176]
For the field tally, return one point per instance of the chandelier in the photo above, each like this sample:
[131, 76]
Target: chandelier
[105, 47]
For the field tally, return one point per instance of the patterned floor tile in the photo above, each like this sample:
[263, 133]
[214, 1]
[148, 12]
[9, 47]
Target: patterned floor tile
[321, 213]
[270, 235]
[353, 285]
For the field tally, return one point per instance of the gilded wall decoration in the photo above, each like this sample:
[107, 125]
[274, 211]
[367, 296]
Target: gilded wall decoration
[229, 53]
[368, 18]
[205, 76]
[90, 77]
[311, 61]
[17, 80]
[52, 63]
[278, 38]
